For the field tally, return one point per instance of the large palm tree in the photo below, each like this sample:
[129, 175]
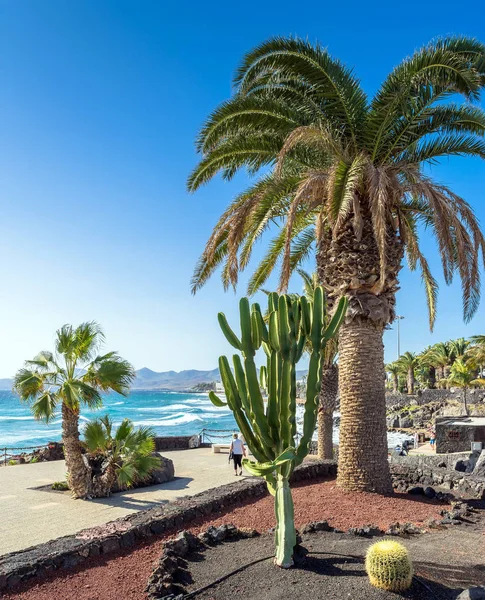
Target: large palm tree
[71, 377]
[408, 363]
[348, 174]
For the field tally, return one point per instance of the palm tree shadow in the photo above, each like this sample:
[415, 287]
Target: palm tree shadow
[455, 576]
[128, 499]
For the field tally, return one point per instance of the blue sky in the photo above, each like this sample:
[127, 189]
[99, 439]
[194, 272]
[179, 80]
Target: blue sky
[100, 103]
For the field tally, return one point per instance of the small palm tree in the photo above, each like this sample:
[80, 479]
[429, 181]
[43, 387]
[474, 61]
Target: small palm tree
[408, 363]
[463, 374]
[394, 369]
[72, 377]
[127, 456]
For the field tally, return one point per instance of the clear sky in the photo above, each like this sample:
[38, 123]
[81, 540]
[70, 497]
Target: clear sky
[100, 103]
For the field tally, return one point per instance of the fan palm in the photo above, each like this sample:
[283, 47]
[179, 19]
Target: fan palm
[347, 174]
[394, 369]
[71, 377]
[408, 363]
[127, 455]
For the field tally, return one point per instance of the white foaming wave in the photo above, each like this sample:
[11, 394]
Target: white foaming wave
[169, 422]
[163, 409]
[17, 418]
[115, 404]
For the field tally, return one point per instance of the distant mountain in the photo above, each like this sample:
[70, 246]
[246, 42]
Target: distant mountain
[6, 384]
[146, 379]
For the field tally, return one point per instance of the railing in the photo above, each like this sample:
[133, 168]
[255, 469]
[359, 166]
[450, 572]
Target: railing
[207, 436]
[9, 454]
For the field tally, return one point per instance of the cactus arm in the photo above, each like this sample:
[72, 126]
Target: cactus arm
[231, 337]
[284, 328]
[284, 405]
[245, 319]
[216, 401]
[264, 469]
[273, 336]
[262, 324]
[285, 534]
[263, 378]
[241, 385]
[336, 321]
[256, 331]
[306, 317]
[257, 404]
[272, 402]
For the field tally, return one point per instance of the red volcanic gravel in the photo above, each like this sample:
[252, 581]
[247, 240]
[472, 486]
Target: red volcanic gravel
[124, 576]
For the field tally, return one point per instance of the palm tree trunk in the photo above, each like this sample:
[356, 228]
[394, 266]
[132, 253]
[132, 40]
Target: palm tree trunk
[395, 382]
[103, 484]
[410, 381]
[432, 378]
[363, 449]
[78, 476]
[327, 402]
[465, 401]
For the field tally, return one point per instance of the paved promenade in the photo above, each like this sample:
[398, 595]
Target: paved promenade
[29, 515]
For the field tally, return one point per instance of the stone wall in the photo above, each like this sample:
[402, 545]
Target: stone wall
[457, 438]
[425, 396]
[408, 471]
[125, 532]
[177, 442]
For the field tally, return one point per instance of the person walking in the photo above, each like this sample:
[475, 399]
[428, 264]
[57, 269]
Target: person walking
[237, 450]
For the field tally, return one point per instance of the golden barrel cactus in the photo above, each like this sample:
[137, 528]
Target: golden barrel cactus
[389, 566]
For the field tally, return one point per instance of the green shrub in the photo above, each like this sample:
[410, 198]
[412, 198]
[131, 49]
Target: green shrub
[60, 486]
[12, 462]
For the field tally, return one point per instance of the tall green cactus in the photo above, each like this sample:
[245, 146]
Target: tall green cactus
[292, 325]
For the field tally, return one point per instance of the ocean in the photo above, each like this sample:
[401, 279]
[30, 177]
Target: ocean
[167, 413]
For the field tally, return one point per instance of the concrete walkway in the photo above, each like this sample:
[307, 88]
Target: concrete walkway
[30, 516]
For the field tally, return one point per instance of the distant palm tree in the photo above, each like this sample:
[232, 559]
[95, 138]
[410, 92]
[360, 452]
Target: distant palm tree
[441, 354]
[127, 454]
[459, 347]
[477, 351]
[408, 363]
[72, 377]
[394, 369]
[428, 366]
[347, 175]
[463, 374]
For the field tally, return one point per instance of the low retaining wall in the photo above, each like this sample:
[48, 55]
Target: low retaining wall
[424, 396]
[72, 550]
[177, 442]
[411, 471]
